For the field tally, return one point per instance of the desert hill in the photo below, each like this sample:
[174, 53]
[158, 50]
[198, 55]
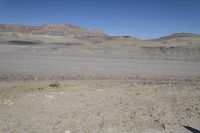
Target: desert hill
[51, 29]
[177, 35]
[179, 38]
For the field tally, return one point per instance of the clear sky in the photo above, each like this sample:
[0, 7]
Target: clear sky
[140, 18]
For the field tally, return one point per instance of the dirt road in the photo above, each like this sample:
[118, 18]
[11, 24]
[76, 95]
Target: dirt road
[51, 66]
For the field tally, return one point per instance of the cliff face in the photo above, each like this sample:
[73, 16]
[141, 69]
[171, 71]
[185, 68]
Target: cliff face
[51, 29]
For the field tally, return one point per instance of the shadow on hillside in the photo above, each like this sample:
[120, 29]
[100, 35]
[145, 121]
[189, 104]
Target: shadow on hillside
[21, 42]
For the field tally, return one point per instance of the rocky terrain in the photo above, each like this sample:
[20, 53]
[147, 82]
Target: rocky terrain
[64, 79]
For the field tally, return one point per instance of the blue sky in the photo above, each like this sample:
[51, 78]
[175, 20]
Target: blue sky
[141, 18]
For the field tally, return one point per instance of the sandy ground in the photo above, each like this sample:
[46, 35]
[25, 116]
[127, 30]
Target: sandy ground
[98, 106]
[103, 87]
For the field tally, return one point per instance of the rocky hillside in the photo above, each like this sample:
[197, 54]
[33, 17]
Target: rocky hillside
[51, 29]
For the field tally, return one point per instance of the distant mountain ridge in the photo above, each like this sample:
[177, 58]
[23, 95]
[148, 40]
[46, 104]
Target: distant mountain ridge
[74, 31]
[176, 35]
[51, 29]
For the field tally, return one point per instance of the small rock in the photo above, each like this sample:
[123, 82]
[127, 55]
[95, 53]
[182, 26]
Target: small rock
[50, 97]
[35, 78]
[101, 124]
[55, 84]
[8, 102]
[163, 126]
[99, 90]
[67, 131]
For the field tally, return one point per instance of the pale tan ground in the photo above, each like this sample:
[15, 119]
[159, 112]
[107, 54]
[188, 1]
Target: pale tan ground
[114, 85]
[98, 106]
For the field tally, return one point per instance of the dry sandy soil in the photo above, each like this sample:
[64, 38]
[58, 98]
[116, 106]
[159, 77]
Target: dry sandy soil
[102, 85]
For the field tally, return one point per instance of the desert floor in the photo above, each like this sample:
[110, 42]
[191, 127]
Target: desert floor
[56, 88]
